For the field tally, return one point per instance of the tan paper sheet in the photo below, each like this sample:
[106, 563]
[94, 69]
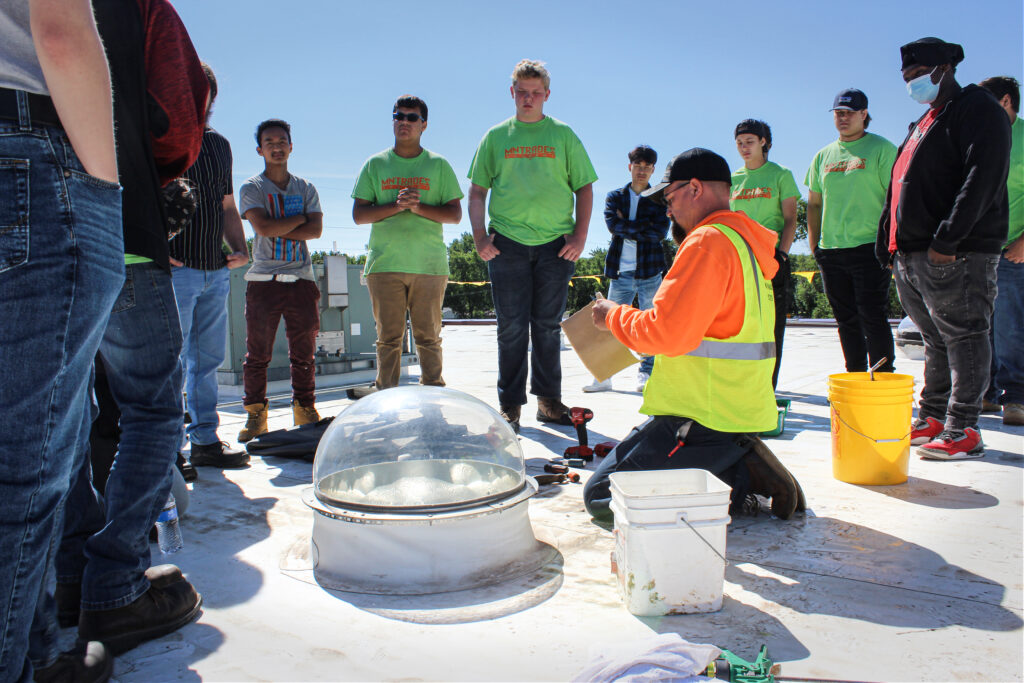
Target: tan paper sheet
[602, 354]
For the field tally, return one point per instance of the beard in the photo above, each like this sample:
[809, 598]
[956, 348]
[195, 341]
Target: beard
[678, 233]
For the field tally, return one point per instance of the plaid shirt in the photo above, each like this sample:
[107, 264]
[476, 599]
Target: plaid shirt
[648, 230]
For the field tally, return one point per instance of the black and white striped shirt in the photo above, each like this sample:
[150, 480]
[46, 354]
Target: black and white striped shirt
[199, 245]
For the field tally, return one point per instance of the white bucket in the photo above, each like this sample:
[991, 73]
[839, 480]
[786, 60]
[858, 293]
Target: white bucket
[670, 530]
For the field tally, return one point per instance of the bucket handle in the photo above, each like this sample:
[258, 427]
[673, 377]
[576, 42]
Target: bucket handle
[682, 517]
[865, 435]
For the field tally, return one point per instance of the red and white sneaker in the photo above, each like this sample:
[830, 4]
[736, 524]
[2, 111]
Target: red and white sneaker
[924, 430]
[953, 444]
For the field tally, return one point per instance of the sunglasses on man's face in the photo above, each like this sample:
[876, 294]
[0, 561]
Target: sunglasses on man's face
[411, 118]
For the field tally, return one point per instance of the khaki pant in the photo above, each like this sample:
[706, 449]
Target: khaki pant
[392, 294]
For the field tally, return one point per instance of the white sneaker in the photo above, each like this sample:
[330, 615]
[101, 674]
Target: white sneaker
[641, 380]
[596, 386]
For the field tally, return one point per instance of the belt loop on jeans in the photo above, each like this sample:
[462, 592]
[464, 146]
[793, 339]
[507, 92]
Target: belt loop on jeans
[24, 120]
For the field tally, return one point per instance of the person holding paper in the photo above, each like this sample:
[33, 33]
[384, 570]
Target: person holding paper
[711, 331]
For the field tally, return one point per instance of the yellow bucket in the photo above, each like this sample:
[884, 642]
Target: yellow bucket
[871, 427]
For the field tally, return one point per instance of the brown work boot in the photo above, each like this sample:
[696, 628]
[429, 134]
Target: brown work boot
[552, 410]
[1013, 414]
[256, 424]
[770, 478]
[304, 415]
[988, 406]
[511, 415]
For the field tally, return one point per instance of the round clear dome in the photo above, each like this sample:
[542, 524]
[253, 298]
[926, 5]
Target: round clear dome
[417, 448]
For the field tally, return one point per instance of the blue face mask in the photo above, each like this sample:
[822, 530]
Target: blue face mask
[922, 89]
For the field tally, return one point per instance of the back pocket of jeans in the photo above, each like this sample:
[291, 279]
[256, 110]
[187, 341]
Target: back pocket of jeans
[13, 213]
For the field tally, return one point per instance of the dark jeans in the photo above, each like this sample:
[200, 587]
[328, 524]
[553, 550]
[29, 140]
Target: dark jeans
[529, 285]
[648, 447]
[952, 306]
[1007, 377]
[780, 287]
[265, 304]
[61, 267]
[857, 288]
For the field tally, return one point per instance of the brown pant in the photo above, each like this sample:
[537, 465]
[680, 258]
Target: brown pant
[265, 304]
[392, 294]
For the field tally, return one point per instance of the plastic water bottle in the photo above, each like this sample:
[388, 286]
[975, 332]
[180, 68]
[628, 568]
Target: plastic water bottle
[168, 532]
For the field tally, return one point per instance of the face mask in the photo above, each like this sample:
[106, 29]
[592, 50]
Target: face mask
[922, 89]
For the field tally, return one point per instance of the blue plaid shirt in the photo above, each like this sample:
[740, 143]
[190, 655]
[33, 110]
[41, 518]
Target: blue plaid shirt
[648, 230]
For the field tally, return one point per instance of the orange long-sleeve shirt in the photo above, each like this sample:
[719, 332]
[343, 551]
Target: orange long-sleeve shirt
[702, 293]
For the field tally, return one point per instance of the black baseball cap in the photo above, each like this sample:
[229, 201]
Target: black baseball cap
[931, 52]
[699, 163]
[850, 99]
[753, 127]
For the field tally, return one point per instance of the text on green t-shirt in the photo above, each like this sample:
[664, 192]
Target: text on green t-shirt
[532, 171]
[406, 242]
[759, 193]
[852, 178]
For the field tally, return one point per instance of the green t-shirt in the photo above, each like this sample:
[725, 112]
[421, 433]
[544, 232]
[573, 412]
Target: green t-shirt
[1015, 181]
[532, 171]
[852, 178]
[405, 242]
[759, 193]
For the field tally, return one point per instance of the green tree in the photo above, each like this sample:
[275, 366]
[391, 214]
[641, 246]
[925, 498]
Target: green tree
[801, 219]
[467, 301]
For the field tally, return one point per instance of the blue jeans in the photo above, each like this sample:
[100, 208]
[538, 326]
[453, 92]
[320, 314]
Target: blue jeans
[60, 270]
[625, 288]
[1007, 382]
[202, 297]
[140, 352]
[951, 304]
[530, 286]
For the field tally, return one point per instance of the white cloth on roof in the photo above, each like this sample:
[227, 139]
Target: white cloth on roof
[662, 657]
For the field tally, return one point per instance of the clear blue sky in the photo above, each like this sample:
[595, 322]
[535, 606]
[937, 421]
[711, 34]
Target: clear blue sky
[673, 75]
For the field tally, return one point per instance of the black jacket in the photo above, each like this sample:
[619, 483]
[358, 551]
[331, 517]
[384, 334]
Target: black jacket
[954, 192]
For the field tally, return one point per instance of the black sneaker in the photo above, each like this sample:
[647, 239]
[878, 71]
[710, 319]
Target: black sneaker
[188, 472]
[87, 662]
[168, 605]
[217, 454]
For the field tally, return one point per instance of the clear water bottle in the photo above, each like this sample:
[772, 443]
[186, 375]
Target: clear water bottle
[168, 532]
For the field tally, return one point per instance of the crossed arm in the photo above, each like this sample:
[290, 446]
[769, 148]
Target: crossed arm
[303, 226]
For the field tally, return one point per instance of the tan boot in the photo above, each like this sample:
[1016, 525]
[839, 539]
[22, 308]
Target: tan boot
[304, 415]
[1013, 414]
[256, 424]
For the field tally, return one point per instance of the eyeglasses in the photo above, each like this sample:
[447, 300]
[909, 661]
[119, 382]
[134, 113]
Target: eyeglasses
[411, 118]
[667, 192]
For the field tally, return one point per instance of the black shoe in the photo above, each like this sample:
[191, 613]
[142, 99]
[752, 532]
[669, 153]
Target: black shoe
[188, 472]
[217, 454]
[85, 663]
[169, 604]
[69, 602]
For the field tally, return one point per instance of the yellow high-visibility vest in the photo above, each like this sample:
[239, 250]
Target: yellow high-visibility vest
[725, 384]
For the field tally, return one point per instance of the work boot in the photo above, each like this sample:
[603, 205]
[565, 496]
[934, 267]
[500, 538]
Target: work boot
[770, 478]
[552, 410]
[304, 415]
[218, 454]
[86, 662]
[988, 406]
[170, 603]
[256, 424]
[1013, 414]
[511, 415]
